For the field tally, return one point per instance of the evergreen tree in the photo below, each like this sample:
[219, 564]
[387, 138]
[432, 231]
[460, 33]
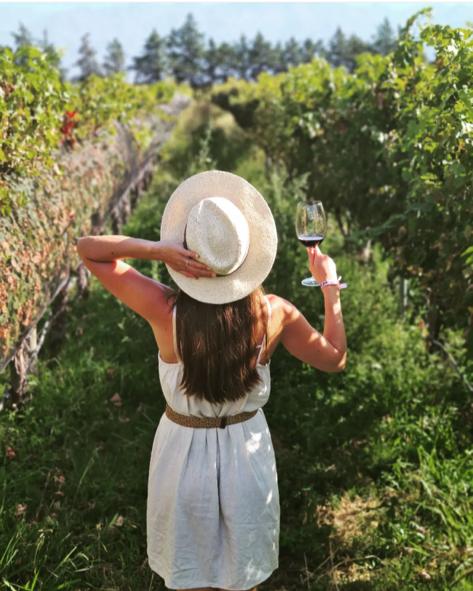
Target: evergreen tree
[220, 62]
[292, 53]
[355, 46]
[151, 65]
[279, 58]
[241, 50]
[310, 50]
[23, 37]
[338, 48]
[186, 53]
[87, 61]
[342, 51]
[212, 62]
[115, 58]
[228, 61]
[53, 55]
[385, 40]
[262, 57]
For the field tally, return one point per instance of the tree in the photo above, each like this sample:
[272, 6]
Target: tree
[292, 53]
[310, 50]
[355, 46]
[384, 41]
[338, 48]
[186, 53]
[115, 58]
[342, 51]
[151, 65]
[220, 62]
[87, 62]
[212, 61]
[228, 61]
[280, 64]
[241, 51]
[23, 37]
[53, 55]
[262, 57]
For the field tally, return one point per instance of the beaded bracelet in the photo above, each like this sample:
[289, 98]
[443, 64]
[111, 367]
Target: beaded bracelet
[332, 282]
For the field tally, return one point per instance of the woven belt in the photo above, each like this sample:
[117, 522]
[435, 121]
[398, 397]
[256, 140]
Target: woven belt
[207, 422]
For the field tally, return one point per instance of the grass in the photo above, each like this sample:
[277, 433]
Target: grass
[374, 464]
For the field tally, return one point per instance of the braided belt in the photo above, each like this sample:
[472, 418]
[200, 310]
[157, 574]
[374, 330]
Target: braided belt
[207, 422]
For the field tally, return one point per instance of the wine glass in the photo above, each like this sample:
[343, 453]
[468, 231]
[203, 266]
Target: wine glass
[311, 227]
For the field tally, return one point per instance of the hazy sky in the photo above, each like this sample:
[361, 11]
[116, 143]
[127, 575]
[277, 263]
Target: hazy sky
[131, 22]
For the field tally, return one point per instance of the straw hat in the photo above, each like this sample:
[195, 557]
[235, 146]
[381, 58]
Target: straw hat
[226, 220]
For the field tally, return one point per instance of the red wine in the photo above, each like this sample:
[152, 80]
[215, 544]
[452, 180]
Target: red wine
[311, 240]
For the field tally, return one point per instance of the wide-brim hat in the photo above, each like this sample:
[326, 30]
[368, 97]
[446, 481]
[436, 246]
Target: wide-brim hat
[242, 241]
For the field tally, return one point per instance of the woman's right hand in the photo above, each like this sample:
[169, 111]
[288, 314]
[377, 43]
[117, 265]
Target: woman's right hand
[181, 259]
[321, 265]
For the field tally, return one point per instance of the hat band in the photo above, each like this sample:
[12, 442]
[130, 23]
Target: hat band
[218, 274]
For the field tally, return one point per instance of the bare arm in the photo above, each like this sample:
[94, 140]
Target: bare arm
[327, 351]
[334, 329]
[102, 256]
[110, 248]
[104, 249]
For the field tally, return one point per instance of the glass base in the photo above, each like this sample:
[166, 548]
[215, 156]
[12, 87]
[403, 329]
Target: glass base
[310, 282]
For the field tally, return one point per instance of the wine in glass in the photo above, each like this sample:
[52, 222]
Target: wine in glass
[311, 226]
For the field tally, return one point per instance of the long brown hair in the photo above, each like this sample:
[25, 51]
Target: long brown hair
[217, 344]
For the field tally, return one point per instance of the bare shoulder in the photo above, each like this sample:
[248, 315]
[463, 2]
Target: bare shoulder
[284, 310]
[283, 314]
[302, 340]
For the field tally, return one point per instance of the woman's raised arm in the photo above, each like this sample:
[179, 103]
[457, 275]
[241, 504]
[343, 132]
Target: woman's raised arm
[327, 352]
[144, 295]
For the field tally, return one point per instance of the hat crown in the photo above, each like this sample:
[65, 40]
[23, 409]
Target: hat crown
[263, 238]
[218, 231]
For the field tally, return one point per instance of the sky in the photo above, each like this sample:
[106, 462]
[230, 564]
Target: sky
[132, 22]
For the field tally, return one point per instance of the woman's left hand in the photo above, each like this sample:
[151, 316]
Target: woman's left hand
[181, 259]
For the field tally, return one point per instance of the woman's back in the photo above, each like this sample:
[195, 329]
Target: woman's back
[213, 513]
[170, 375]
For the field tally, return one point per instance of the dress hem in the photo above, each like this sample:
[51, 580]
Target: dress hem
[213, 584]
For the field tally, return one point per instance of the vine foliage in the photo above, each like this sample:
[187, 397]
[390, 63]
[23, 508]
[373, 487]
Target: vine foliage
[389, 149]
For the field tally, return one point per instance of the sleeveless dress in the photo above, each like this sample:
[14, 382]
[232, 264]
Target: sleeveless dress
[213, 513]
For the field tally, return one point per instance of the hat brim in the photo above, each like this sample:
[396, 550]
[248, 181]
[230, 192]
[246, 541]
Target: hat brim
[263, 234]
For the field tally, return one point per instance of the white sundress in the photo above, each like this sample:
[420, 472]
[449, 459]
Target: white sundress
[212, 513]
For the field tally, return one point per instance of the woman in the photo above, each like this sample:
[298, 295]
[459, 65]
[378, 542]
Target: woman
[213, 502]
